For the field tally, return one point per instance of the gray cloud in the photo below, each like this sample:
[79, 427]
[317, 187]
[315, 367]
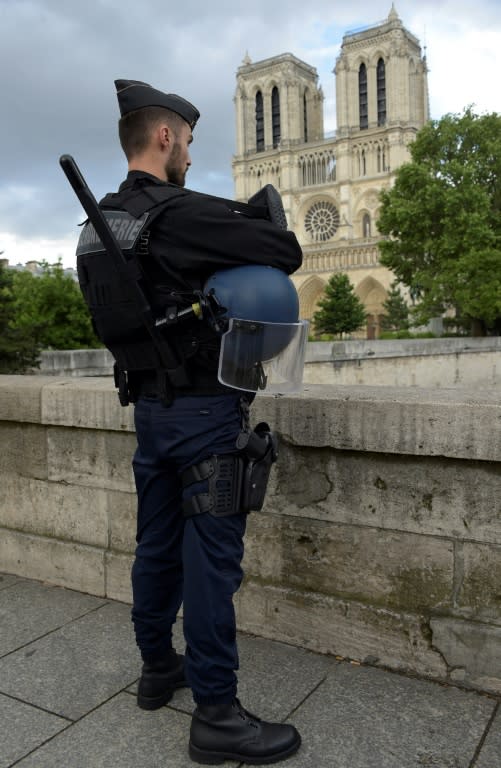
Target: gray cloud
[59, 60]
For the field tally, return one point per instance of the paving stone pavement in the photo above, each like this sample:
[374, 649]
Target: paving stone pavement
[68, 675]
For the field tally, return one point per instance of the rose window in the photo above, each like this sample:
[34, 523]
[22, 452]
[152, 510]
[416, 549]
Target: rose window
[322, 221]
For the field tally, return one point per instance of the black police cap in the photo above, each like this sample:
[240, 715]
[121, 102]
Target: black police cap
[133, 94]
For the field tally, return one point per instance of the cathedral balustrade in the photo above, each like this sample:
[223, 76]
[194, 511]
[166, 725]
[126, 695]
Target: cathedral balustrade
[341, 258]
[379, 540]
[316, 166]
[288, 144]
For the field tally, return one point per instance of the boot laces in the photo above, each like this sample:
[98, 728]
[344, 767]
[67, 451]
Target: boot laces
[245, 714]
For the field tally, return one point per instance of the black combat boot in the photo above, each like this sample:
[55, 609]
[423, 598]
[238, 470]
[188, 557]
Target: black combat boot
[229, 732]
[159, 679]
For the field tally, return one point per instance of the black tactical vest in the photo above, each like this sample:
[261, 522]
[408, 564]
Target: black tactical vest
[120, 321]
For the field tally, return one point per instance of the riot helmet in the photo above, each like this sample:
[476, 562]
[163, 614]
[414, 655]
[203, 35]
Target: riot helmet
[264, 343]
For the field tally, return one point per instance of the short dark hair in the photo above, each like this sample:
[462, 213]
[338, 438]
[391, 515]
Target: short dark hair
[134, 128]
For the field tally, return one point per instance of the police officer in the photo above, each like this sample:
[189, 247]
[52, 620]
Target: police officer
[194, 558]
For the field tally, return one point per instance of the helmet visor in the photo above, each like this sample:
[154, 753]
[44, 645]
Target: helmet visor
[263, 357]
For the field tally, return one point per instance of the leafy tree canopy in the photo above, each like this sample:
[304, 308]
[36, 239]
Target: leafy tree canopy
[52, 309]
[40, 312]
[443, 220]
[341, 311]
[18, 349]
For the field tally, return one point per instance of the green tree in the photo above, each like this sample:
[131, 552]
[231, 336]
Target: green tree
[341, 311]
[396, 317]
[51, 307]
[18, 349]
[443, 220]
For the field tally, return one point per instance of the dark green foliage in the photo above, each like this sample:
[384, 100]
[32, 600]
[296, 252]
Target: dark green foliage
[52, 308]
[406, 334]
[40, 312]
[396, 315]
[18, 349]
[443, 220]
[341, 311]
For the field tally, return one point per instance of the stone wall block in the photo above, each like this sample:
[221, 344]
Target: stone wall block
[91, 403]
[55, 510]
[422, 422]
[76, 362]
[471, 650]
[90, 457]
[122, 509]
[118, 583]
[65, 564]
[327, 625]
[25, 451]
[20, 397]
[477, 369]
[479, 583]
[384, 568]
[437, 497]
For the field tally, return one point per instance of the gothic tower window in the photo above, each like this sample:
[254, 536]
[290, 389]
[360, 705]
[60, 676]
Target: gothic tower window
[259, 122]
[305, 117]
[366, 225]
[381, 93]
[275, 116]
[332, 169]
[362, 97]
[364, 163]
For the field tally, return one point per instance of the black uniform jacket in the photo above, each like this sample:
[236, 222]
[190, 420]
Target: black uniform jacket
[195, 236]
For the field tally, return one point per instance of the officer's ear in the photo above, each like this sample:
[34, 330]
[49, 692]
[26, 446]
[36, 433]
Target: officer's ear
[164, 135]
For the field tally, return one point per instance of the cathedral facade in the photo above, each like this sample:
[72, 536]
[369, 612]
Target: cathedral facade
[330, 185]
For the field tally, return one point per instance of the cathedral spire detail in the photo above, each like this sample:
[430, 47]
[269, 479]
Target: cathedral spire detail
[393, 15]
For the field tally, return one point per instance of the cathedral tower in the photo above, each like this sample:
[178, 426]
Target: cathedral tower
[330, 185]
[278, 106]
[381, 95]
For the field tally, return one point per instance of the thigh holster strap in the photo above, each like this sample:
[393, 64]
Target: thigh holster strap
[199, 472]
[198, 504]
[224, 475]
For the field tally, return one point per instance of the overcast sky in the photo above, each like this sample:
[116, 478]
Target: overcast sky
[59, 58]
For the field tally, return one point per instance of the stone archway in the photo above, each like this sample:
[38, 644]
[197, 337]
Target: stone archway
[310, 292]
[373, 295]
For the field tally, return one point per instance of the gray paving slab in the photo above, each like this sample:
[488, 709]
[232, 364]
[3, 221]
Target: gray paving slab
[361, 717]
[29, 609]
[119, 735]
[77, 667]
[82, 666]
[275, 678]
[7, 579]
[23, 729]
[490, 754]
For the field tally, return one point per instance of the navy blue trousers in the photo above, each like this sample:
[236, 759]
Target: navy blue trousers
[194, 561]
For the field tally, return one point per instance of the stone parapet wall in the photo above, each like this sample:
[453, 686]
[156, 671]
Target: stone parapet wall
[380, 539]
[481, 370]
[446, 362]
[442, 363]
[75, 362]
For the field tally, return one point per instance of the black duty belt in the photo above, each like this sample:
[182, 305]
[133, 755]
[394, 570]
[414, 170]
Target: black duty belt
[147, 386]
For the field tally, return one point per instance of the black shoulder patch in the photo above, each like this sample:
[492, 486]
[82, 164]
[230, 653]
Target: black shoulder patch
[125, 227]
